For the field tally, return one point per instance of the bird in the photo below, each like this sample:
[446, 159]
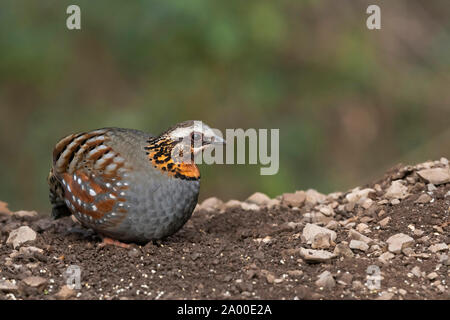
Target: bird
[128, 185]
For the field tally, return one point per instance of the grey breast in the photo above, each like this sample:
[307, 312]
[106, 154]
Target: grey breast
[158, 205]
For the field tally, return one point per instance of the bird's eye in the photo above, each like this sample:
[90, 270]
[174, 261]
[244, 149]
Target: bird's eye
[196, 136]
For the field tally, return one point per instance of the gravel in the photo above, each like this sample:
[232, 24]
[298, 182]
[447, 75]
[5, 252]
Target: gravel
[302, 245]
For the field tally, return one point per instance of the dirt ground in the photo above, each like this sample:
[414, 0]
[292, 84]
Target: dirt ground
[252, 251]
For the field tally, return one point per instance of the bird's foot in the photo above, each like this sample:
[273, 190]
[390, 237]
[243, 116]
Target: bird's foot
[108, 241]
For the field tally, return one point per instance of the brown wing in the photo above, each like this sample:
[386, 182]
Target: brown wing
[91, 174]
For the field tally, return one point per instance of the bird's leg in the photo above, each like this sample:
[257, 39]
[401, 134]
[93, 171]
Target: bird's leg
[108, 241]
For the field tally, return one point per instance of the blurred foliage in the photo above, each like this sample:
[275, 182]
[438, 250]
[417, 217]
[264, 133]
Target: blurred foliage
[349, 102]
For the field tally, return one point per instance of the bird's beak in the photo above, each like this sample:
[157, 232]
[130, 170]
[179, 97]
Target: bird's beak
[217, 140]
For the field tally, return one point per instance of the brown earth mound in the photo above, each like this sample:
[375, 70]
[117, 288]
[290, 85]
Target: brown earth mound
[387, 240]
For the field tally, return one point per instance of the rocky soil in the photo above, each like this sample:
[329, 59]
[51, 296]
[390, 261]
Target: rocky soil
[386, 240]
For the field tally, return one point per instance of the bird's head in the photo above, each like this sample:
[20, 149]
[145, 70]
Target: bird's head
[192, 136]
[174, 150]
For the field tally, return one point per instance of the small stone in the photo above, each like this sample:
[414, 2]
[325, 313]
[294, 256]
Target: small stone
[395, 202]
[8, 286]
[295, 273]
[357, 285]
[25, 214]
[444, 161]
[355, 235]
[424, 198]
[332, 225]
[403, 292]
[345, 279]
[385, 295]
[359, 245]
[212, 203]
[418, 232]
[385, 257]
[65, 293]
[310, 255]
[326, 210]
[232, 204]
[258, 198]
[438, 247]
[313, 197]
[396, 191]
[361, 227]
[435, 176]
[272, 203]
[20, 236]
[431, 187]
[443, 258]
[30, 250]
[416, 271]
[296, 199]
[326, 280]
[35, 282]
[383, 223]
[249, 206]
[399, 241]
[311, 230]
[342, 249]
[432, 275]
[270, 278]
[358, 196]
[408, 251]
[321, 241]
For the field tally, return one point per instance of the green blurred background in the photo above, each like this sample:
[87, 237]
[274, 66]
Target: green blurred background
[349, 102]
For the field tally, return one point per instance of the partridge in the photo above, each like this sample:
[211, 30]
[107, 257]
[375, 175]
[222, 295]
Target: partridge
[127, 184]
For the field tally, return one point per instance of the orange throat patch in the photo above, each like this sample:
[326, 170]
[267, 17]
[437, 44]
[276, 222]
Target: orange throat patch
[159, 153]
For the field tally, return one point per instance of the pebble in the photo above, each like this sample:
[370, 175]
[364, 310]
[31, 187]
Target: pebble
[326, 280]
[385, 295]
[232, 204]
[212, 203]
[20, 236]
[359, 245]
[342, 249]
[313, 197]
[383, 223]
[432, 275]
[249, 206]
[438, 247]
[258, 198]
[435, 176]
[355, 235]
[8, 286]
[25, 214]
[345, 279]
[396, 191]
[273, 203]
[399, 241]
[385, 257]
[311, 255]
[311, 230]
[295, 273]
[296, 199]
[416, 271]
[65, 293]
[361, 227]
[321, 241]
[424, 198]
[35, 282]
